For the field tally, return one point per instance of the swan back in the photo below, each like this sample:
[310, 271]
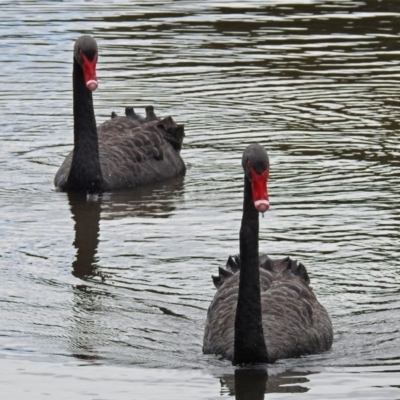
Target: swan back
[132, 153]
[294, 322]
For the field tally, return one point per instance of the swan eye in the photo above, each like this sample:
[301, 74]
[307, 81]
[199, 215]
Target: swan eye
[81, 55]
[249, 168]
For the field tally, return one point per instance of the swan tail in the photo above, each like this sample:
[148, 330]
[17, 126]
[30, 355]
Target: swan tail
[233, 263]
[222, 277]
[173, 132]
[131, 114]
[150, 114]
[293, 267]
[266, 262]
[284, 265]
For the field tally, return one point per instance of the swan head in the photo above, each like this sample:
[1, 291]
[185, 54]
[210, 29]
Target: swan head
[255, 164]
[86, 53]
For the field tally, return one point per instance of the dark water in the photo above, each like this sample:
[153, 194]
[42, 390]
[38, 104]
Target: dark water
[105, 298]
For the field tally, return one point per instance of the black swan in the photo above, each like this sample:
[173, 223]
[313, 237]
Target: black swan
[264, 309]
[121, 153]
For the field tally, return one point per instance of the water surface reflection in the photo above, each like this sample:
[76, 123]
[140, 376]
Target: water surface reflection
[316, 82]
[87, 336]
[253, 384]
[151, 201]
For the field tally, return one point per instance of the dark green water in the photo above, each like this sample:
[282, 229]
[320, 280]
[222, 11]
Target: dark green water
[316, 82]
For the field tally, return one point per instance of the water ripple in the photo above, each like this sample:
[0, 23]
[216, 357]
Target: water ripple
[316, 82]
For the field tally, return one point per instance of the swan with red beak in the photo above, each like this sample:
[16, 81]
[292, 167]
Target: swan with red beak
[256, 166]
[86, 52]
[120, 153]
[264, 309]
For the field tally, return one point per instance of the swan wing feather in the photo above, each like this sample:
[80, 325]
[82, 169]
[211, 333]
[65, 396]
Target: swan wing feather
[294, 322]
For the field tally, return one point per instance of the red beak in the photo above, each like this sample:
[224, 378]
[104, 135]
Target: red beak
[89, 72]
[259, 189]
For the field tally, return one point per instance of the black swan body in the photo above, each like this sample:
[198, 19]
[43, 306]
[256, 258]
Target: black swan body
[264, 309]
[121, 153]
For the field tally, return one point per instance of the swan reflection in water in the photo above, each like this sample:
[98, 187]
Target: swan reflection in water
[254, 383]
[157, 200]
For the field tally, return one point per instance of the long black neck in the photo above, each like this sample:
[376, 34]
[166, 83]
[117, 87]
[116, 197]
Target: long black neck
[85, 173]
[249, 342]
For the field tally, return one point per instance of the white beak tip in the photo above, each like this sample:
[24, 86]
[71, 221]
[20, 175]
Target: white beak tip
[261, 205]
